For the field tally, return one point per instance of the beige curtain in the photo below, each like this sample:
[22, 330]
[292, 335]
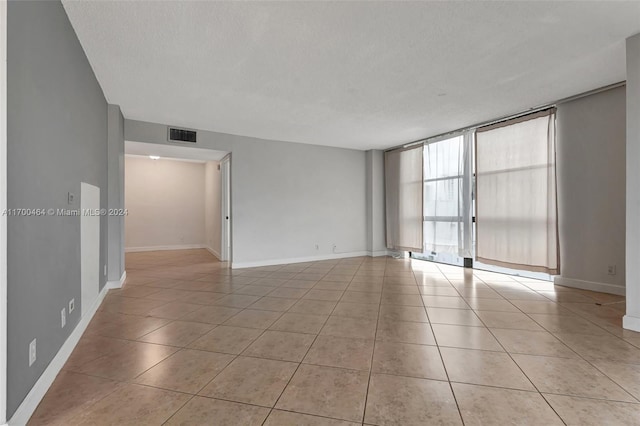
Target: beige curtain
[403, 194]
[516, 214]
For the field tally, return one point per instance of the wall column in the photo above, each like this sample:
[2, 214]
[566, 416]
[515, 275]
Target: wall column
[631, 320]
[115, 193]
[376, 240]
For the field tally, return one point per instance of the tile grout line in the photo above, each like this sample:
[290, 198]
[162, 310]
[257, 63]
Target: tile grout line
[578, 314]
[375, 340]
[569, 347]
[376, 327]
[303, 357]
[444, 366]
[518, 365]
[217, 374]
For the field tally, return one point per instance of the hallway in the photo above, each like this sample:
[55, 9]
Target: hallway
[377, 341]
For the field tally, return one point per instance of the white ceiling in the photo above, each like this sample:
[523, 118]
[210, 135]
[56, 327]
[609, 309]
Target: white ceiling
[350, 74]
[172, 152]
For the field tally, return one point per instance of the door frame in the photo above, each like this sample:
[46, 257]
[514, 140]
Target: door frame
[225, 210]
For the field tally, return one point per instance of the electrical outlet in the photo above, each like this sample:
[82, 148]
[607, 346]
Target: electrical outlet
[72, 305]
[611, 269]
[105, 270]
[63, 317]
[334, 248]
[32, 352]
[70, 197]
[317, 247]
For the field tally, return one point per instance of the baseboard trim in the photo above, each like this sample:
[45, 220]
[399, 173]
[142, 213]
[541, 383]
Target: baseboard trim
[631, 323]
[164, 248]
[271, 262]
[589, 285]
[119, 283]
[378, 253]
[40, 388]
[213, 252]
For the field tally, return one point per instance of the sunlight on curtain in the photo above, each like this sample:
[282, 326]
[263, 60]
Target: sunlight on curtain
[516, 217]
[403, 195]
[447, 196]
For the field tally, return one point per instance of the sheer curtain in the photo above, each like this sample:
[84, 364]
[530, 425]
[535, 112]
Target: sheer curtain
[403, 198]
[447, 195]
[516, 215]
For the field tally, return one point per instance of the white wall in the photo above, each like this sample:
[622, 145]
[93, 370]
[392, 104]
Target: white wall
[212, 207]
[285, 197]
[591, 190]
[165, 200]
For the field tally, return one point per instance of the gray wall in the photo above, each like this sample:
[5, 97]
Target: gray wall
[57, 138]
[286, 197]
[115, 173]
[632, 318]
[591, 188]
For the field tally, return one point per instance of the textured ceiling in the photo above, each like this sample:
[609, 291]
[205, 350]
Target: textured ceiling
[350, 74]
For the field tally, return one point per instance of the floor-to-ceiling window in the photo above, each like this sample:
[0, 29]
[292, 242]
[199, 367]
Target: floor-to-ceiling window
[518, 221]
[447, 199]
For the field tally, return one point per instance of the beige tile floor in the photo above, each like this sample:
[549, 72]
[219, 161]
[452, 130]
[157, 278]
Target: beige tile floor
[376, 341]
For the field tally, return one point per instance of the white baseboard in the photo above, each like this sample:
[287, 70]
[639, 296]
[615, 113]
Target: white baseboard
[590, 285]
[119, 283]
[271, 262]
[163, 248]
[213, 252]
[631, 323]
[40, 388]
[378, 253]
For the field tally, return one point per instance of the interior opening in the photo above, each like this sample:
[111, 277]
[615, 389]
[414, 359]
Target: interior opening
[177, 198]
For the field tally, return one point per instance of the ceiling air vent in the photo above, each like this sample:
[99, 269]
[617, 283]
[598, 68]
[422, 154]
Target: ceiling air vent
[181, 135]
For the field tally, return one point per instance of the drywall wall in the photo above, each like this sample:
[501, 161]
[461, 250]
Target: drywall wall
[115, 196]
[376, 231]
[591, 190]
[631, 320]
[286, 198]
[165, 203]
[57, 138]
[212, 219]
[3, 218]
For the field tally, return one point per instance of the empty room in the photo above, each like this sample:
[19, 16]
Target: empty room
[319, 213]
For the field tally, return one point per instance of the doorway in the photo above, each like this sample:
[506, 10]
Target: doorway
[177, 198]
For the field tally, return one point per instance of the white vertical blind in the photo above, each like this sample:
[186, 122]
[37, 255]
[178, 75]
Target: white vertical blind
[403, 197]
[447, 196]
[516, 215]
